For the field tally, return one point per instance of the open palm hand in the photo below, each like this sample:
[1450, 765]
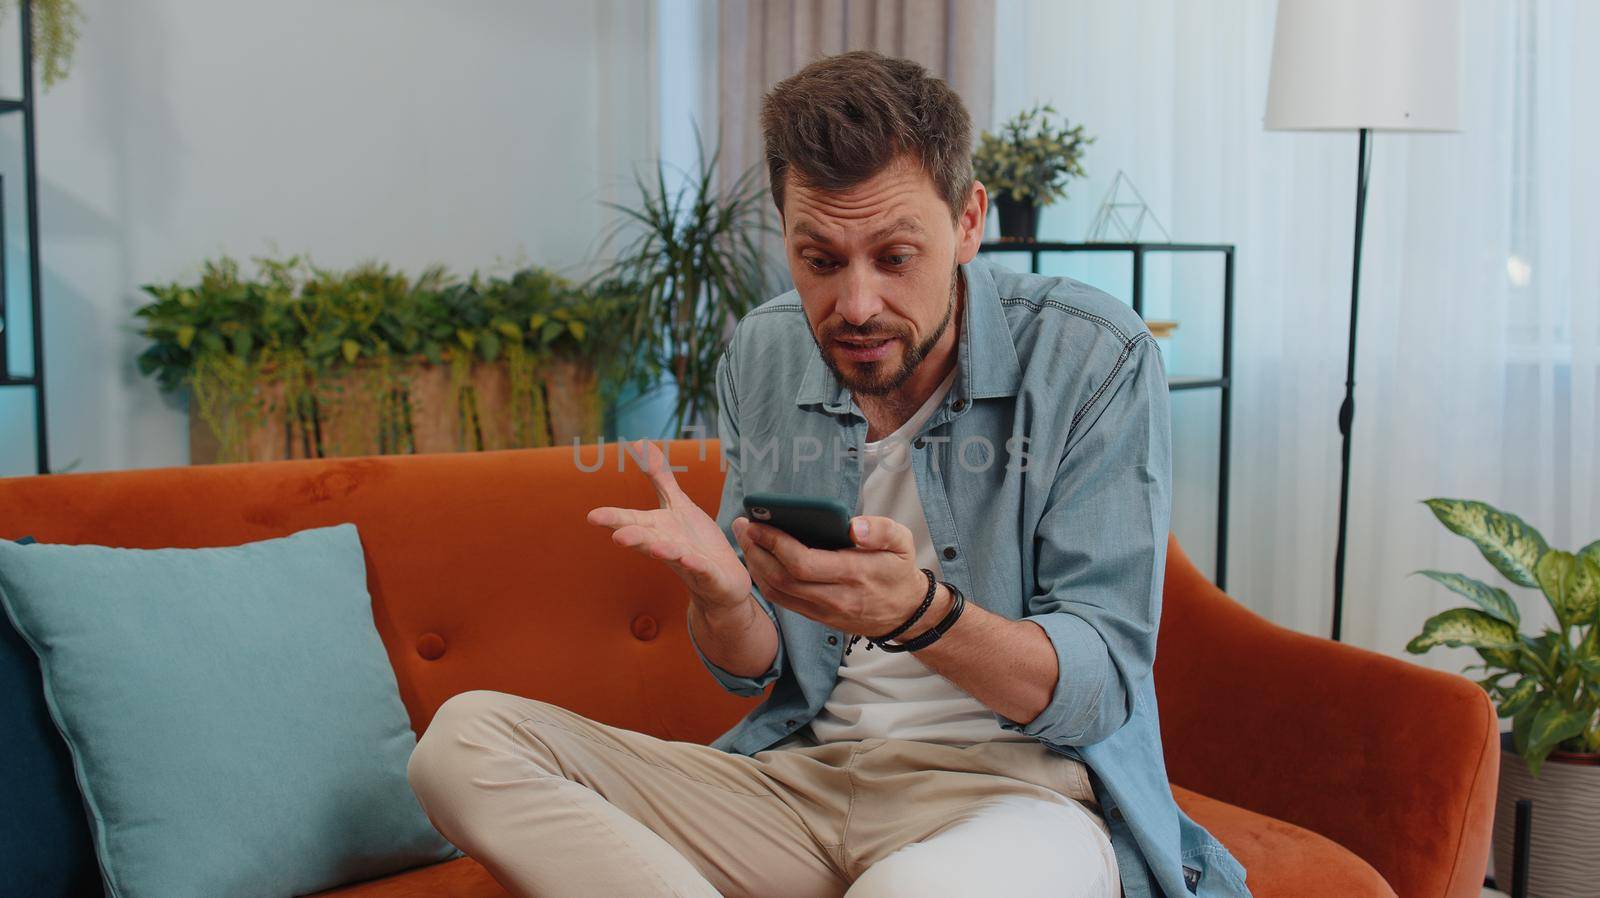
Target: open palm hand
[680, 534]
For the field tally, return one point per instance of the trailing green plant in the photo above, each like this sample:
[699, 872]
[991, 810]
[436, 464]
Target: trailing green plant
[302, 326]
[1549, 685]
[1032, 158]
[693, 265]
[55, 34]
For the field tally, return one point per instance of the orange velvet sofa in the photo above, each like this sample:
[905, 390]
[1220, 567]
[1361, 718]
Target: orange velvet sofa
[1326, 769]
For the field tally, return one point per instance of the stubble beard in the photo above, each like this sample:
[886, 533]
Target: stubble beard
[876, 383]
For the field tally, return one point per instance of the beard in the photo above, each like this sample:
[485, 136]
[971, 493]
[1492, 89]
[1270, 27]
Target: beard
[879, 378]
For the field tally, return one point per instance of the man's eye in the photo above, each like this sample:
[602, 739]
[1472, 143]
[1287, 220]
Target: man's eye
[818, 263]
[897, 260]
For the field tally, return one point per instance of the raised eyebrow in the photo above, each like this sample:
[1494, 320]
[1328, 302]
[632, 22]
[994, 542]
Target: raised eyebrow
[804, 229]
[899, 225]
[906, 224]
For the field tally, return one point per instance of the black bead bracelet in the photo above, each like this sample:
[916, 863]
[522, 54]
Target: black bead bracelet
[930, 637]
[927, 600]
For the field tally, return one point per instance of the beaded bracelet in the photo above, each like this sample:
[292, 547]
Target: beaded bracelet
[930, 637]
[927, 600]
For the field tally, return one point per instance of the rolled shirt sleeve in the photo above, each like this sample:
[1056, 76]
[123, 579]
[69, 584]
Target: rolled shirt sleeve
[731, 505]
[1100, 553]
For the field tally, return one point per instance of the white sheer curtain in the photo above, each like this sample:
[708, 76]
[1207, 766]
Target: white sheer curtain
[1479, 367]
[761, 42]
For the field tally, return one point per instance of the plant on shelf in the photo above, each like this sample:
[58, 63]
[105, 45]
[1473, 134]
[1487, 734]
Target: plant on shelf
[306, 361]
[55, 34]
[1027, 165]
[1549, 685]
[693, 264]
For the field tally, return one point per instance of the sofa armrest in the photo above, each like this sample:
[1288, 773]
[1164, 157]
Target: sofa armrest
[1397, 762]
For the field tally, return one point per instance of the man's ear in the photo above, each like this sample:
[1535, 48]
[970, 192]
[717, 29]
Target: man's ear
[969, 225]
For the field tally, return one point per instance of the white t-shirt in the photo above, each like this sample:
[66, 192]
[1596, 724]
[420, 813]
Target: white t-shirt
[893, 695]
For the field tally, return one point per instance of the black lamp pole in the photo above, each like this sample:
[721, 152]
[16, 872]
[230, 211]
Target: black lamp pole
[1347, 411]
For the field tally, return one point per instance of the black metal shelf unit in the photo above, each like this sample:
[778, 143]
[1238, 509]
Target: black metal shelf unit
[35, 380]
[1222, 383]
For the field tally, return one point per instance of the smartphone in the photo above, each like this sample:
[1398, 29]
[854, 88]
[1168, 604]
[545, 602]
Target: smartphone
[817, 522]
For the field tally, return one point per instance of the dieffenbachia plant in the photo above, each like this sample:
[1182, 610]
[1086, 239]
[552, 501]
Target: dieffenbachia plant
[1549, 685]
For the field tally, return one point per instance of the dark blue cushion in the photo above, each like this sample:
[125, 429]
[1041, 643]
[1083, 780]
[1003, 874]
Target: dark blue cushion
[45, 848]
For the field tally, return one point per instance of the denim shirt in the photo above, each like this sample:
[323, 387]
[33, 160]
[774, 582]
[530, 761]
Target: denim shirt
[1045, 478]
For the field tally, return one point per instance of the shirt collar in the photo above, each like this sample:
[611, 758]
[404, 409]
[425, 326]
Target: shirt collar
[986, 355]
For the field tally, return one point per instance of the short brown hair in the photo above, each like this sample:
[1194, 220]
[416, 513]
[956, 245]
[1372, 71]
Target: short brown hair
[843, 119]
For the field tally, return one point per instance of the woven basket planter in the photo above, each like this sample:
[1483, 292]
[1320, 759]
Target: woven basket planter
[418, 407]
[1564, 844]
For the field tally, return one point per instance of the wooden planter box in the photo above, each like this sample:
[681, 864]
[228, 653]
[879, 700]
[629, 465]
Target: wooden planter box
[354, 415]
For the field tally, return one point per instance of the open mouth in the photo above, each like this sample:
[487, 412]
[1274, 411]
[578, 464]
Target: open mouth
[864, 350]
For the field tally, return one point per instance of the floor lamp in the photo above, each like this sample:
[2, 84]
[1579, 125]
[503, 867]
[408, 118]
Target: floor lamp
[1363, 65]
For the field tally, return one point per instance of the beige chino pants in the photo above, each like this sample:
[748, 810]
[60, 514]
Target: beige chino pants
[555, 804]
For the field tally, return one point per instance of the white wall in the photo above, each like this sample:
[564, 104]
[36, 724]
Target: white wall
[468, 133]
[1474, 379]
[1116, 68]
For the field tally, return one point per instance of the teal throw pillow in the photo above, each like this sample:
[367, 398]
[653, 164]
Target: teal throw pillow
[231, 713]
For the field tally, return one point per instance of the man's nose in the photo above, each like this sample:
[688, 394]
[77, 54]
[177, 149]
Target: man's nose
[860, 299]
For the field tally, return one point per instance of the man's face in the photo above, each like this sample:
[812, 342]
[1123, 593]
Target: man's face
[875, 266]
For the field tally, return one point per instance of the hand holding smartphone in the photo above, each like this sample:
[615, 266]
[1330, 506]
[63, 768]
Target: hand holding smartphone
[816, 522]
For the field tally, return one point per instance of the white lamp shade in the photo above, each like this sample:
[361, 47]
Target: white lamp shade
[1391, 65]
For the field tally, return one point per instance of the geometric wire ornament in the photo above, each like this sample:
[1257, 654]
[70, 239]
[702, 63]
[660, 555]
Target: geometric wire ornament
[1124, 215]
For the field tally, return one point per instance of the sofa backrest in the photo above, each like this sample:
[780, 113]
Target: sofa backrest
[484, 574]
[483, 571]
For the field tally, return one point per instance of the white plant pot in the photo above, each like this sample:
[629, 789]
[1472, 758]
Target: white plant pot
[1564, 849]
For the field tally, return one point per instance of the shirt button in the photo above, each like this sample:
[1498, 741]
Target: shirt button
[833, 640]
[789, 724]
[958, 405]
[949, 553]
[919, 442]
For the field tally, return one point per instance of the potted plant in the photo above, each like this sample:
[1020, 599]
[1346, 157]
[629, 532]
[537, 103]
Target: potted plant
[1549, 685]
[693, 263]
[301, 361]
[1027, 165]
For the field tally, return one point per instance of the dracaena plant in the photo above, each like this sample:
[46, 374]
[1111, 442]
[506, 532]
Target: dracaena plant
[694, 262]
[1549, 685]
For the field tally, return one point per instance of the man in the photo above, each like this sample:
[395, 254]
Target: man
[963, 702]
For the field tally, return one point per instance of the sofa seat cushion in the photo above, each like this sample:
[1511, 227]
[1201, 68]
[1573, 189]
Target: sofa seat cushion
[460, 878]
[1282, 860]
